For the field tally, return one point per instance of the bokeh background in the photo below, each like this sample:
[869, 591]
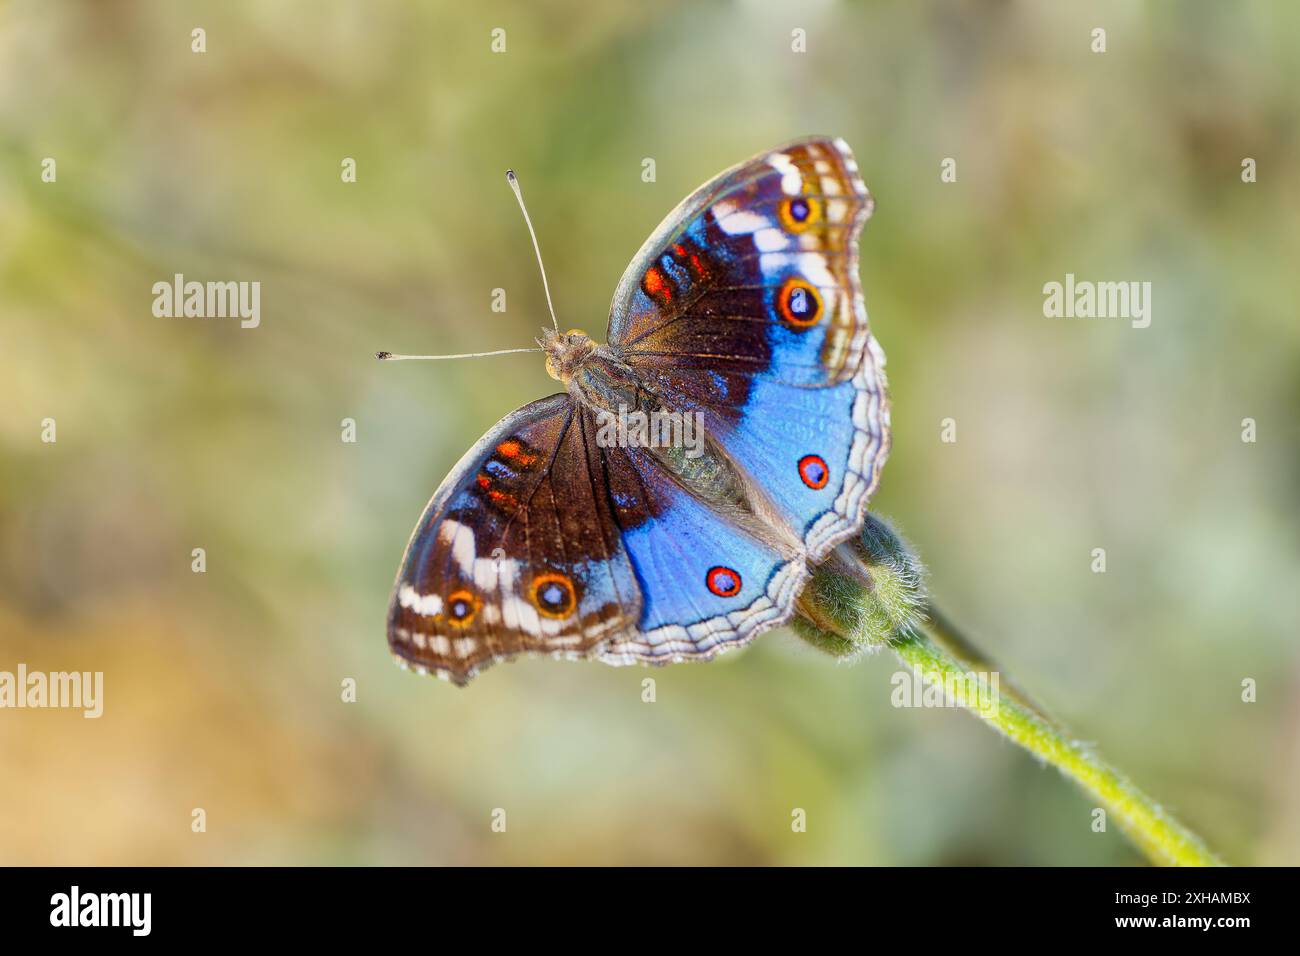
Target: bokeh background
[223, 689]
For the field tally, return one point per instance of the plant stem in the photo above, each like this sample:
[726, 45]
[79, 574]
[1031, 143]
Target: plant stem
[871, 592]
[940, 655]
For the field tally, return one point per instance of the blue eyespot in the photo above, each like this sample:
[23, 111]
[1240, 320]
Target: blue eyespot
[798, 210]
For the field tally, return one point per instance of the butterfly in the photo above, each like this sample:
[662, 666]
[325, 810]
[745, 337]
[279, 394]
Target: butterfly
[743, 310]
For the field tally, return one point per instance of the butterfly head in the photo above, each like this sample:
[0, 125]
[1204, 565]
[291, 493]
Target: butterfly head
[565, 351]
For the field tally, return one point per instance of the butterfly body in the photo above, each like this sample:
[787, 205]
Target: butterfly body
[603, 385]
[741, 316]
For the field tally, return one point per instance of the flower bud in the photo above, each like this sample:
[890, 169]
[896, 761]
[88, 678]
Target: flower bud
[868, 592]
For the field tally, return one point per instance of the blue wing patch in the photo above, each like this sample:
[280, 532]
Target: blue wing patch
[706, 584]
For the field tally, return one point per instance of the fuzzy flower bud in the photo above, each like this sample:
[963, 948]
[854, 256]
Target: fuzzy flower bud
[868, 592]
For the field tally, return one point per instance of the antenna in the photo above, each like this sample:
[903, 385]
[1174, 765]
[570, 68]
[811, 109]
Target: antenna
[395, 357]
[513, 180]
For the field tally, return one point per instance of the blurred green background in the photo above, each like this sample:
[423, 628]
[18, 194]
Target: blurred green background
[223, 689]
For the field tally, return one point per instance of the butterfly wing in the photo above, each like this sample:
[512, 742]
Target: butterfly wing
[543, 541]
[704, 291]
[707, 584]
[745, 305]
[518, 551]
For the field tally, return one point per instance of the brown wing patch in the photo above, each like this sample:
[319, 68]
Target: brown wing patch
[517, 553]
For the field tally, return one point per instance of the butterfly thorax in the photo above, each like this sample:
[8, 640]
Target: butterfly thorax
[565, 352]
[593, 375]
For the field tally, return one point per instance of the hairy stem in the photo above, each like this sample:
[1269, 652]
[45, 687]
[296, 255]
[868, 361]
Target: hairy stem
[1153, 829]
[870, 593]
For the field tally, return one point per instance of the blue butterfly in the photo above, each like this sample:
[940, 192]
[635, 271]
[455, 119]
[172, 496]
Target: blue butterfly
[742, 310]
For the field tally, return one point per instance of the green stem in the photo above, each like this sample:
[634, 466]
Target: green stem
[871, 592]
[1161, 837]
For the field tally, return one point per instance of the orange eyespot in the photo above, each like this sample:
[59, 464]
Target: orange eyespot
[461, 607]
[800, 303]
[553, 595]
[799, 213]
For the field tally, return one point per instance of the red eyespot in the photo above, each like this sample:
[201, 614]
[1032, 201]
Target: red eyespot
[813, 471]
[723, 582]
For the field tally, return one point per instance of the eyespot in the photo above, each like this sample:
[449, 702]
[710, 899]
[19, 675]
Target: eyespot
[461, 607]
[800, 303]
[553, 595]
[799, 213]
[813, 471]
[723, 582]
